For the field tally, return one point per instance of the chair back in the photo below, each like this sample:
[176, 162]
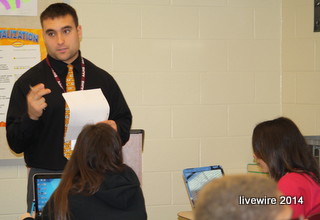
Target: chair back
[314, 217]
[315, 213]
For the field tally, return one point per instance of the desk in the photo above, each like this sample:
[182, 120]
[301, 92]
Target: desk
[185, 215]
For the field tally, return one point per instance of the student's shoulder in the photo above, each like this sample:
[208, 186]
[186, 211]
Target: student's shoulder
[290, 184]
[291, 179]
[128, 173]
[293, 176]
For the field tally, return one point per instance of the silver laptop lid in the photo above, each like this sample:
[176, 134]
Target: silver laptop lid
[196, 178]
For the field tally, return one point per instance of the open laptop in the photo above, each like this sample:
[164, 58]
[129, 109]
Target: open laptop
[44, 185]
[196, 178]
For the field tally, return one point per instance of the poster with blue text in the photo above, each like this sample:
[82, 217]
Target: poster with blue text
[20, 49]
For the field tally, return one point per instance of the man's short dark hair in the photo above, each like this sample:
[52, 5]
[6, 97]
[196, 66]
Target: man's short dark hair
[58, 10]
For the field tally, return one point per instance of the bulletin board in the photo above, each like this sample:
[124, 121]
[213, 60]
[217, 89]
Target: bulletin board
[29, 22]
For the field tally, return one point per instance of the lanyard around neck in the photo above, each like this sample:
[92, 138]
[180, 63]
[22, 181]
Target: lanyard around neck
[83, 75]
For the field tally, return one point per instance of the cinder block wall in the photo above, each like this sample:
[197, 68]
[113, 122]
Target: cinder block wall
[198, 75]
[301, 66]
[13, 190]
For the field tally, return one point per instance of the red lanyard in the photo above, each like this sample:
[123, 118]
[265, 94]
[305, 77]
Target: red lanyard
[83, 75]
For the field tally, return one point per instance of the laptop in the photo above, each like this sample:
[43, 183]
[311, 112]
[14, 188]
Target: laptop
[196, 178]
[44, 185]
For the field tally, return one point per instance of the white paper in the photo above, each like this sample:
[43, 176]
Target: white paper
[86, 107]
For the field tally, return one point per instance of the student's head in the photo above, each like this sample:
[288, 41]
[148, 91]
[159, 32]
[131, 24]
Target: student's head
[97, 151]
[279, 147]
[98, 148]
[223, 198]
[61, 32]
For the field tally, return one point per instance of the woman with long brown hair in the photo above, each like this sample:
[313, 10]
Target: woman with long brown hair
[95, 183]
[281, 150]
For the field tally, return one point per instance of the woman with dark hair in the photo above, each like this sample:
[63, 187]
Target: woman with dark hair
[95, 183]
[280, 149]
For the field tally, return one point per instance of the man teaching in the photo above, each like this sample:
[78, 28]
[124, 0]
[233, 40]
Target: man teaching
[37, 113]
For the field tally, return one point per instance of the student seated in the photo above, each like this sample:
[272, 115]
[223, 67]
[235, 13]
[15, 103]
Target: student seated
[95, 183]
[235, 197]
[281, 150]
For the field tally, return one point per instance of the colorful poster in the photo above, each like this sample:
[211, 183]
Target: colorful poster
[19, 7]
[20, 49]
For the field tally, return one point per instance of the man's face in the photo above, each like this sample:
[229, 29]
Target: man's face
[62, 38]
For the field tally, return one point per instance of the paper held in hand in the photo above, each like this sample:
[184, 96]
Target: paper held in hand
[86, 107]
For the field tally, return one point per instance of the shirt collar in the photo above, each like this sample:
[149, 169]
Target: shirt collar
[61, 68]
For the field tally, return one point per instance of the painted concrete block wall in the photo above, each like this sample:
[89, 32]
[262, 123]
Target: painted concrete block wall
[197, 75]
[301, 66]
[13, 191]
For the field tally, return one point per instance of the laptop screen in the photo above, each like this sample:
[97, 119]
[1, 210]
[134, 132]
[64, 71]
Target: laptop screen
[196, 178]
[44, 186]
